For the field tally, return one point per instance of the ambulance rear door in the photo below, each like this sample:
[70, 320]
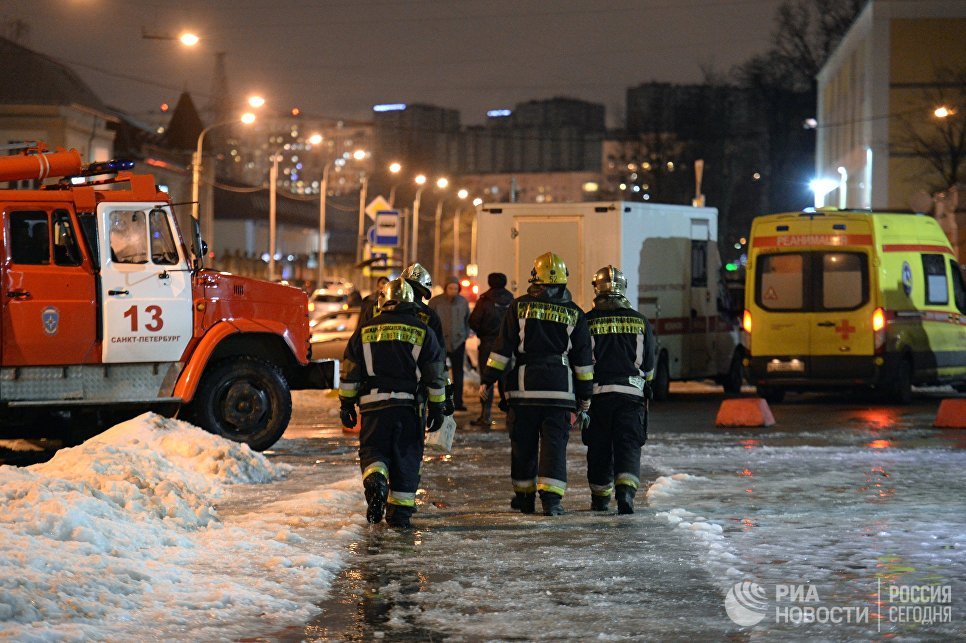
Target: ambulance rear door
[841, 302]
[145, 285]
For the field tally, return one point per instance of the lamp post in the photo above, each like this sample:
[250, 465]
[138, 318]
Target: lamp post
[477, 202]
[272, 190]
[394, 168]
[462, 194]
[414, 251]
[248, 118]
[316, 139]
[441, 183]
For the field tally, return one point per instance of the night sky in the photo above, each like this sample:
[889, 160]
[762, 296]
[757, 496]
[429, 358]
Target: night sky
[338, 58]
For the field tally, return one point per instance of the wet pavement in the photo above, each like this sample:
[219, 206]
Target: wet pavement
[843, 499]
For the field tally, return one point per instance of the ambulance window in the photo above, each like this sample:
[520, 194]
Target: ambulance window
[781, 281]
[959, 286]
[937, 291]
[699, 264]
[128, 236]
[163, 250]
[66, 251]
[844, 280]
[29, 238]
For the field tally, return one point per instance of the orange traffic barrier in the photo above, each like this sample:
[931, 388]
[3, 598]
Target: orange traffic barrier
[744, 411]
[951, 414]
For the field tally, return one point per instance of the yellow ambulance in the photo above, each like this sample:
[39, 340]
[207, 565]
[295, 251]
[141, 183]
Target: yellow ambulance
[847, 299]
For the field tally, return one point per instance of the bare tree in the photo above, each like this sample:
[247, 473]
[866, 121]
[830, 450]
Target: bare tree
[935, 130]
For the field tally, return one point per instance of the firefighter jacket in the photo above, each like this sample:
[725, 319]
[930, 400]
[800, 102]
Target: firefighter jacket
[429, 317]
[545, 345]
[623, 344]
[394, 359]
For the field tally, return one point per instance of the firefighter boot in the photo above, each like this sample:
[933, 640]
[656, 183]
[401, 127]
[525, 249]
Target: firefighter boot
[625, 498]
[377, 490]
[398, 516]
[599, 503]
[524, 502]
[551, 503]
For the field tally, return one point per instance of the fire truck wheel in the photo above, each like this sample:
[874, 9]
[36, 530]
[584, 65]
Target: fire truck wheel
[661, 384]
[245, 399]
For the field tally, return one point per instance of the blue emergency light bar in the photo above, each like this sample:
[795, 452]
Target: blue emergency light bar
[103, 167]
[389, 107]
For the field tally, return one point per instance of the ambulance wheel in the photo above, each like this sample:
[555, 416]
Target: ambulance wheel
[735, 376]
[771, 394]
[244, 399]
[661, 384]
[902, 385]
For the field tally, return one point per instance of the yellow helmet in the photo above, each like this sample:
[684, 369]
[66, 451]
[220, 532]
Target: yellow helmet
[419, 278]
[610, 281]
[549, 269]
[394, 293]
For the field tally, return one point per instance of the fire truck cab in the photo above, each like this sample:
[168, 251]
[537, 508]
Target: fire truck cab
[104, 309]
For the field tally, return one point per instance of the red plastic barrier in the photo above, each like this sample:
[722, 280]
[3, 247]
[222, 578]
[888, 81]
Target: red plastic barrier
[951, 414]
[744, 411]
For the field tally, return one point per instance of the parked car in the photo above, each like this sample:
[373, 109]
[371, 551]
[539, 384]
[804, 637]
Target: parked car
[329, 300]
[331, 332]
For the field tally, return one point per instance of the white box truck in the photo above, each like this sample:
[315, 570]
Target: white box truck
[669, 254]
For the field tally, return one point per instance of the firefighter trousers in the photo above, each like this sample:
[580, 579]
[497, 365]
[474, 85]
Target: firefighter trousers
[391, 443]
[538, 447]
[617, 431]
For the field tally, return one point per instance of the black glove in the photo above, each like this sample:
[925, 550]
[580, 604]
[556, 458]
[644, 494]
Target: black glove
[448, 407]
[348, 414]
[648, 391]
[434, 421]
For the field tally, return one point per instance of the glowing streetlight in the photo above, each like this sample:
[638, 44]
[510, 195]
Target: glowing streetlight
[256, 101]
[394, 168]
[821, 187]
[943, 112]
[189, 39]
[359, 155]
[247, 118]
[315, 139]
[442, 183]
[420, 180]
[463, 193]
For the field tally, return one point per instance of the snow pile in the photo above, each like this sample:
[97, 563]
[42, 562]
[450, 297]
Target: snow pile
[707, 534]
[118, 537]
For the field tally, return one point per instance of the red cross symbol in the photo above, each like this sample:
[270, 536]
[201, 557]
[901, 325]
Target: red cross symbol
[845, 329]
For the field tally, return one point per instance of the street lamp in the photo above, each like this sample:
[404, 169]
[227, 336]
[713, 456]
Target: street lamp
[394, 168]
[477, 202]
[442, 183]
[256, 101]
[462, 194]
[247, 118]
[316, 139]
[414, 251]
[943, 112]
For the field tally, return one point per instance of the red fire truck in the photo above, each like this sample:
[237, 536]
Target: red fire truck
[104, 310]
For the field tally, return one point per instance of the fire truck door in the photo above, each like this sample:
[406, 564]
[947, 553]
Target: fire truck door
[46, 292]
[145, 285]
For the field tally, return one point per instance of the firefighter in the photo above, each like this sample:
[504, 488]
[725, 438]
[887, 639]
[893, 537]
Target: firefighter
[391, 363]
[370, 303]
[623, 345]
[546, 346]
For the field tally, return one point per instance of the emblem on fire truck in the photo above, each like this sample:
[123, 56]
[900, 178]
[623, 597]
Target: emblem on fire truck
[51, 319]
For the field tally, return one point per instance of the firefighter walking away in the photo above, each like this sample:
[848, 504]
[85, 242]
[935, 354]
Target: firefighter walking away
[545, 346]
[623, 345]
[392, 364]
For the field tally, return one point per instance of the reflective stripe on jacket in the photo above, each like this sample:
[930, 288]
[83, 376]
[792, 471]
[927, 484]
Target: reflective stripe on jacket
[545, 345]
[391, 360]
[623, 345]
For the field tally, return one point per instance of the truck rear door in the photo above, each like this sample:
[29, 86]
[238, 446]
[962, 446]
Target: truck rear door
[47, 290]
[559, 234]
[145, 285]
